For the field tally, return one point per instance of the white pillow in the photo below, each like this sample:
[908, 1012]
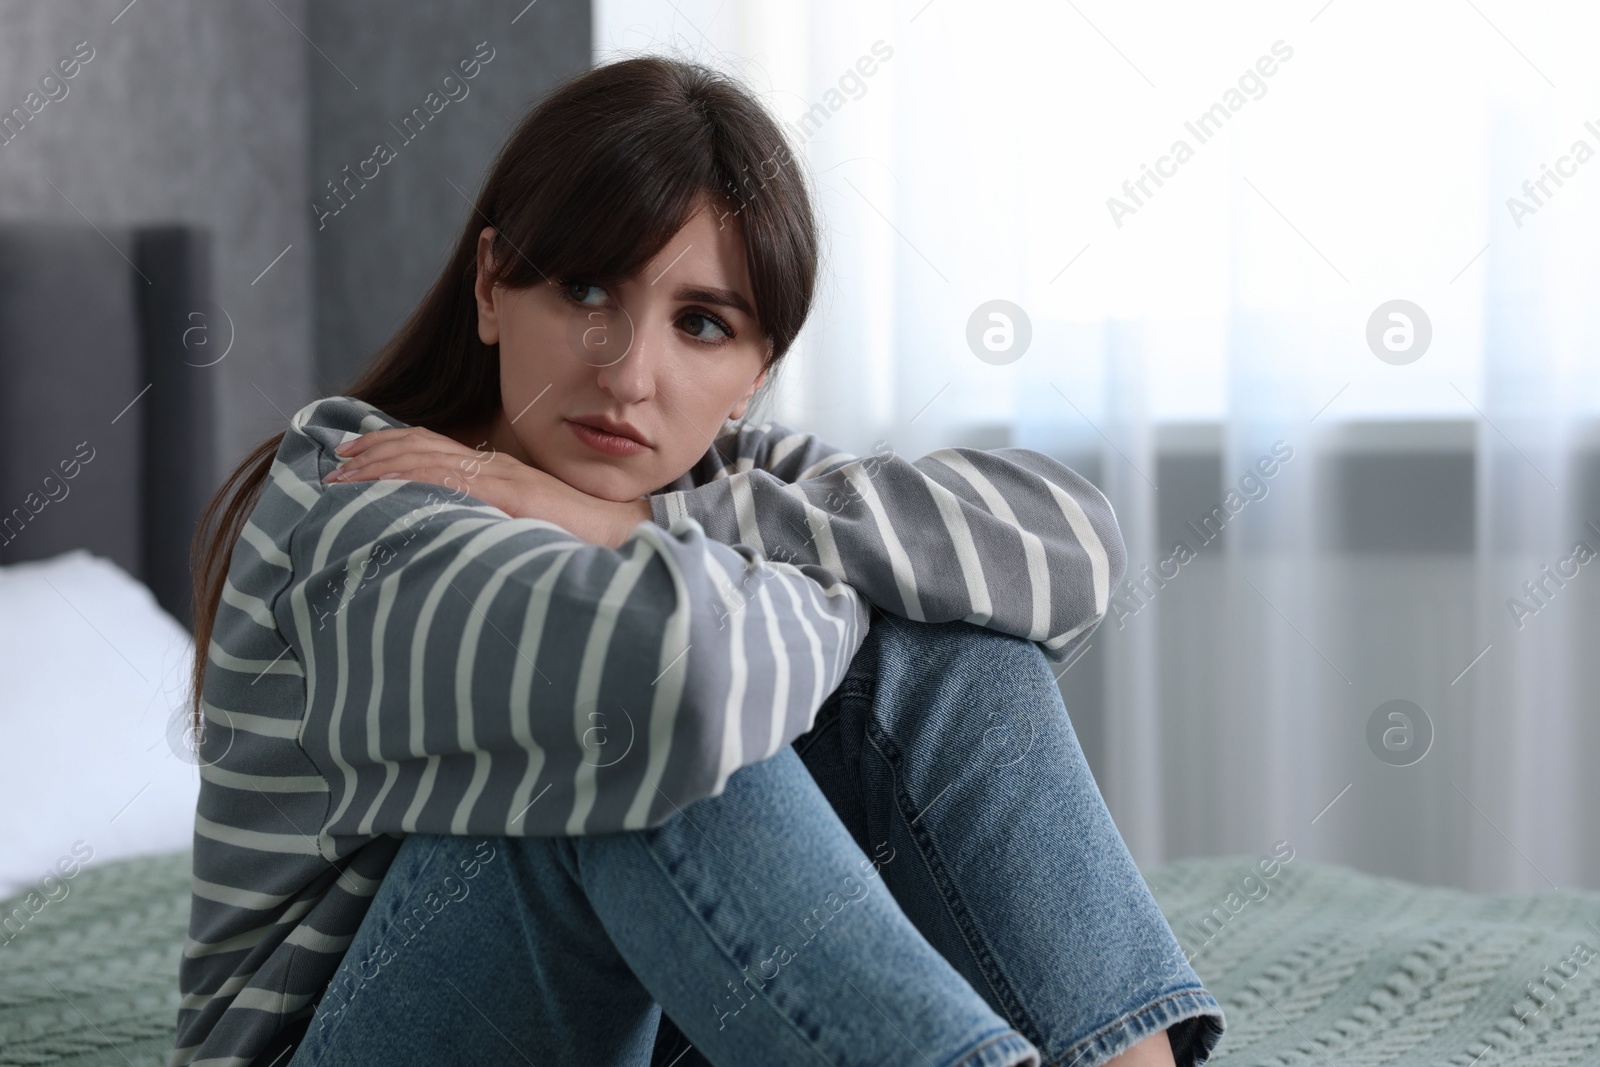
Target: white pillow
[94, 670]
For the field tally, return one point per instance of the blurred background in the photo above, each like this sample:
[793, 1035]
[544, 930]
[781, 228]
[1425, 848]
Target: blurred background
[1306, 289]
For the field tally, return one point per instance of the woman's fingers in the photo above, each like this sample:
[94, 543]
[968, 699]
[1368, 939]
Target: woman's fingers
[384, 455]
[417, 454]
[401, 439]
[391, 433]
[491, 486]
[394, 440]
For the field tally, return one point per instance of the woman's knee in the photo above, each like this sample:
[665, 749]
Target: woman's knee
[955, 662]
[930, 689]
[955, 645]
[763, 800]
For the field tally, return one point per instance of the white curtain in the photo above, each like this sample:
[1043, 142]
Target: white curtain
[1219, 329]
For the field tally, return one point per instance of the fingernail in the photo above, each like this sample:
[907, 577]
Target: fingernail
[342, 449]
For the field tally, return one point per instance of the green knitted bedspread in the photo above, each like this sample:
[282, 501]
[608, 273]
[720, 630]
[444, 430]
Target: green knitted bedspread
[1329, 967]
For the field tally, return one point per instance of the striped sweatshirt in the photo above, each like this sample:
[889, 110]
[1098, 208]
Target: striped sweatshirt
[394, 657]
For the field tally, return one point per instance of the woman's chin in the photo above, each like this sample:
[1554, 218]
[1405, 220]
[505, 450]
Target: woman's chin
[604, 485]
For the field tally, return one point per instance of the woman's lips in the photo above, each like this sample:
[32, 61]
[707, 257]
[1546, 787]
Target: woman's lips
[609, 443]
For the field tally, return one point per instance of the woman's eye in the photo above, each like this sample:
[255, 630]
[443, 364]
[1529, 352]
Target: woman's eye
[697, 321]
[576, 291]
[699, 325]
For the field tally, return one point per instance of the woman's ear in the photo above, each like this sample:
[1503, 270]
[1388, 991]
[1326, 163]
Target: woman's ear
[488, 311]
[738, 409]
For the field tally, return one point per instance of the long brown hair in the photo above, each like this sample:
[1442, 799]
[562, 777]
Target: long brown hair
[592, 184]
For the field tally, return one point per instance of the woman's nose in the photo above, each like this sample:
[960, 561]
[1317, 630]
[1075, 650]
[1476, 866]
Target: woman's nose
[629, 377]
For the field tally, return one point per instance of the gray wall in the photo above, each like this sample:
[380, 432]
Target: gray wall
[376, 258]
[190, 112]
[233, 116]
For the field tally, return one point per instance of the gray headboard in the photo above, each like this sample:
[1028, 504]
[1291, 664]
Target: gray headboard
[108, 339]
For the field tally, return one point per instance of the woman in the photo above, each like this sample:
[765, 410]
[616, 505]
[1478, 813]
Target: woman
[536, 701]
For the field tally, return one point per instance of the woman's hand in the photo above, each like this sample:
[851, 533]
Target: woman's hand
[517, 489]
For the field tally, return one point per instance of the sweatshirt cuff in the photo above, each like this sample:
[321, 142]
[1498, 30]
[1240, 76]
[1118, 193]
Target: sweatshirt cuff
[665, 508]
[711, 505]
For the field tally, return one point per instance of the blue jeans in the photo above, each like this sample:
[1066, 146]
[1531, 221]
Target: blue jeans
[929, 876]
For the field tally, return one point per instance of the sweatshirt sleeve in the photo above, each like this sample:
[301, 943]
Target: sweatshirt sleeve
[1006, 538]
[468, 672]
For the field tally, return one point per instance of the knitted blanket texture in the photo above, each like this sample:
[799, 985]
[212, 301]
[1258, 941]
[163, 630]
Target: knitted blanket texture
[1327, 965]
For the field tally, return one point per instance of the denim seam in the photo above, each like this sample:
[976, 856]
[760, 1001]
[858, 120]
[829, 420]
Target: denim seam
[1002, 987]
[977, 1056]
[1161, 1010]
[856, 687]
[727, 953]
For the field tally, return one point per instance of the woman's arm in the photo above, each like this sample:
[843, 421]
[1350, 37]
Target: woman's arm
[469, 672]
[1009, 539]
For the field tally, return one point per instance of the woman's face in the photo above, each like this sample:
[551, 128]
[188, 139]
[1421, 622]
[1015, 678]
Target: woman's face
[661, 358]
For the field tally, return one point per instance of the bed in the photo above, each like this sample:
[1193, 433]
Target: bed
[106, 442]
[1330, 967]
[1319, 965]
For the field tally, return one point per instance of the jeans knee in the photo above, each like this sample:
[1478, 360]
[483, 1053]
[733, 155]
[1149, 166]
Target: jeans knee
[958, 648]
[956, 685]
